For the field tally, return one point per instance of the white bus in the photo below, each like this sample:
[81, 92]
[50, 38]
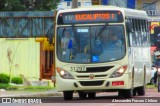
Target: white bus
[102, 48]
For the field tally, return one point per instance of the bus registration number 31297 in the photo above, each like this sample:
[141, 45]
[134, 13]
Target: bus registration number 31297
[78, 68]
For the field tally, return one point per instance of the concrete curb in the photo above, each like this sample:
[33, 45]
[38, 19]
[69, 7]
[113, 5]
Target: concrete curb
[48, 94]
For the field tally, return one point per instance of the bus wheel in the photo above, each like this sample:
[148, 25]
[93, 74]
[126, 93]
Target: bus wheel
[68, 95]
[141, 90]
[120, 93]
[91, 95]
[82, 95]
[134, 92]
[128, 93]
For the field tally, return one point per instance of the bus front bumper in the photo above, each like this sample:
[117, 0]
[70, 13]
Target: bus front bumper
[93, 84]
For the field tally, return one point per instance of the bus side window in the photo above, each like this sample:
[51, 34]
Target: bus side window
[129, 29]
[140, 32]
[137, 32]
[147, 33]
[144, 32]
[134, 32]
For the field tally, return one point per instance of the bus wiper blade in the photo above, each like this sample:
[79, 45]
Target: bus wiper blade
[75, 36]
[101, 31]
[74, 32]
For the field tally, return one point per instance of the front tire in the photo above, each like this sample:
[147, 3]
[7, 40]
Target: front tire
[141, 91]
[128, 93]
[120, 93]
[91, 95]
[82, 95]
[68, 95]
[134, 92]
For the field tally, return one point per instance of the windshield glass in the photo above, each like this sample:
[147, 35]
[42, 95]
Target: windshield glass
[90, 44]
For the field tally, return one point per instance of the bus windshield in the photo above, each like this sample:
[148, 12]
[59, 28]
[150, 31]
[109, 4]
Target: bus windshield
[90, 44]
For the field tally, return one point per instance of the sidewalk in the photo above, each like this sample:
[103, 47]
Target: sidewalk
[46, 93]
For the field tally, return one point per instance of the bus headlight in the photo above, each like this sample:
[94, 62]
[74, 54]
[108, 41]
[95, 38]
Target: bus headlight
[119, 72]
[64, 74]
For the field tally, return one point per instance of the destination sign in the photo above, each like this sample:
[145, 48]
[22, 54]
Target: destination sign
[90, 17]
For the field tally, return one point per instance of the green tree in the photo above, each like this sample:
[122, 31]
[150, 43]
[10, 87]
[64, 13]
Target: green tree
[12, 5]
[45, 5]
[28, 5]
[2, 4]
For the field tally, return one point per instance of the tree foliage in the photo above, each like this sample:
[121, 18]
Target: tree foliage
[28, 5]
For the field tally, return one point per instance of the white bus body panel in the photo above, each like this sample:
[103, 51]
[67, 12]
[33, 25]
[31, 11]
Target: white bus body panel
[133, 55]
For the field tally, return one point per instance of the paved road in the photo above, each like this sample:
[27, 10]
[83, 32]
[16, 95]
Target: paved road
[88, 104]
[102, 99]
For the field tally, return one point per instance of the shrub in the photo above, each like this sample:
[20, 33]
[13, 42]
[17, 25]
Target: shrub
[17, 80]
[4, 78]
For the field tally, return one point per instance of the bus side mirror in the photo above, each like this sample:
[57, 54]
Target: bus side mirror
[129, 26]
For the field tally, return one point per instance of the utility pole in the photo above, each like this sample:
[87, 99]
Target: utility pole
[74, 3]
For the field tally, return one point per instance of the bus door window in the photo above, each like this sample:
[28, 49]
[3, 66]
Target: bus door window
[116, 41]
[83, 44]
[96, 41]
[83, 38]
[110, 43]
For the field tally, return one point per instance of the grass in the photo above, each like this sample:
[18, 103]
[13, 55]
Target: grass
[37, 88]
[24, 88]
[4, 86]
[149, 86]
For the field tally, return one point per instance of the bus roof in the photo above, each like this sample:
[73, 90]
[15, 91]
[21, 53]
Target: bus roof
[126, 11]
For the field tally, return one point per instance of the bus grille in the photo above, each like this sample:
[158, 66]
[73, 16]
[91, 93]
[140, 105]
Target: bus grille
[96, 69]
[91, 83]
[96, 76]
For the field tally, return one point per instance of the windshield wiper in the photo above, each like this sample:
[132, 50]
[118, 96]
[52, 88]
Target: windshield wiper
[74, 32]
[101, 31]
[75, 36]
